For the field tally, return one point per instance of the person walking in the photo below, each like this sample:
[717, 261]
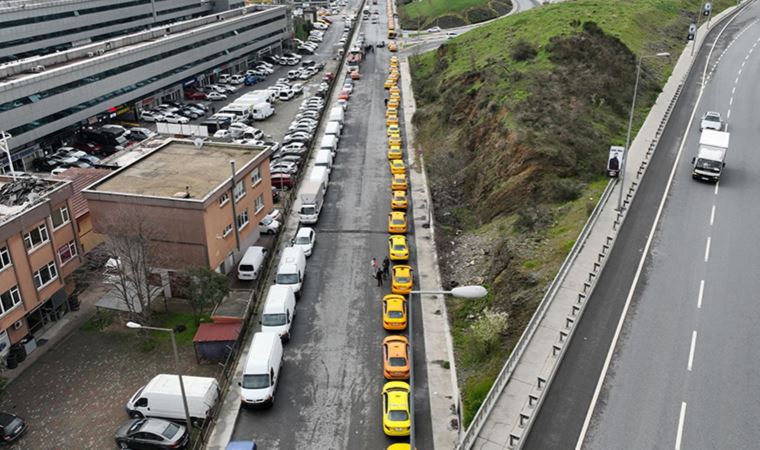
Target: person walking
[386, 267]
[373, 267]
[379, 277]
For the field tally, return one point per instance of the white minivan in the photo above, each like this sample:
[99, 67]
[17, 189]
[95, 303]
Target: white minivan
[329, 142]
[324, 158]
[279, 311]
[292, 269]
[262, 370]
[333, 128]
[252, 263]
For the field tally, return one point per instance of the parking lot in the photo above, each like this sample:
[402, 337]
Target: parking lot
[329, 393]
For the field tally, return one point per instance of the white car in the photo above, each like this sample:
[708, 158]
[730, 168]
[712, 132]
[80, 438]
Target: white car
[216, 96]
[268, 226]
[174, 118]
[305, 238]
[151, 116]
[434, 30]
[223, 134]
[711, 121]
[286, 94]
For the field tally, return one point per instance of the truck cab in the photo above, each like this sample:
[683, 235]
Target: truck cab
[710, 160]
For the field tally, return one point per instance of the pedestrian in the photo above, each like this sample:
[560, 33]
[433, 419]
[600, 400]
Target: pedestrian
[386, 102]
[373, 267]
[379, 277]
[213, 110]
[386, 267]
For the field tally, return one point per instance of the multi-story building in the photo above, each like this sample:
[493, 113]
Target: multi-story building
[184, 197]
[37, 27]
[80, 210]
[39, 249]
[45, 98]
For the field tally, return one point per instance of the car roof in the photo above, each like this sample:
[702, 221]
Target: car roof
[397, 237]
[401, 268]
[6, 418]
[304, 231]
[394, 300]
[398, 214]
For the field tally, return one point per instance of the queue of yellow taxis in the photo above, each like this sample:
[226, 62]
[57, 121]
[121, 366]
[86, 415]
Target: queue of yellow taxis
[396, 411]
[394, 312]
[397, 222]
[398, 250]
[396, 358]
[397, 167]
[401, 279]
[398, 200]
[391, 120]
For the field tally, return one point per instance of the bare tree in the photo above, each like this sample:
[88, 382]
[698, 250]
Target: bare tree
[131, 242]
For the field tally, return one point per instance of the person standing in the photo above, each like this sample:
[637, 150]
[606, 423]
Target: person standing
[373, 267]
[379, 277]
[386, 267]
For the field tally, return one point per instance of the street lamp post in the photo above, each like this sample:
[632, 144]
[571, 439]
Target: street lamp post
[630, 124]
[471, 292]
[137, 326]
[7, 151]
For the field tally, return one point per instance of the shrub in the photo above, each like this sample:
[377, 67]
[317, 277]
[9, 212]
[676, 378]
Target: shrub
[533, 218]
[524, 51]
[489, 328]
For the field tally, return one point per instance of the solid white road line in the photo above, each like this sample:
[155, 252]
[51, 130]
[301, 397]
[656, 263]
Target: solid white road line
[712, 215]
[707, 249]
[691, 350]
[679, 433]
[650, 237]
[701, 293]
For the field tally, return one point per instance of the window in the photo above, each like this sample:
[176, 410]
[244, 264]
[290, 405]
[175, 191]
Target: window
[67, 252]
[60, 216]
[36, 237]
[256, 176]
[242, 219]
[5, 258]
[239, 191]
[45, 275]
[227, 230]
[9, 299]
[224, 199]
[259, 203]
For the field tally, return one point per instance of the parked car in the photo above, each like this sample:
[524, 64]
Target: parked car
[199, 106]
[11, 427]
[176, 118]
[268, 225]
[188, 113]
[151, 116]
[223, 134]
[305, 238]
[282, 180]
[293, 148]
[151, 433]
[286, 94]
[139, 134]
[195, 95]
[216, 96]
[298, 136]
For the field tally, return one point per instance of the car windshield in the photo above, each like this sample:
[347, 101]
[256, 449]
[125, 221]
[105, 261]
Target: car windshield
[307, 210]
[255, 381]
[398, 221]
[397, 362]
[395, 314]
[273, 320]
[287, 278]
[402, 279]
[712, 118]
[398, 415]
[170, 431]
[708, 164]
[399, 247]
[266, 221]
[303, 240]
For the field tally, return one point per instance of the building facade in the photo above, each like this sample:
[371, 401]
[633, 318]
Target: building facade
[38, 27]
[42, 96]
[39, 250]
[197, 216]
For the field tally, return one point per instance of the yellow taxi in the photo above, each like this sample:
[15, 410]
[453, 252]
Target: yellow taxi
[394, 312]
[399, 183]
[394, 141]
[392, 47]
[397, 248]
[389, 83]
[401, 280]
[397, 222]
[396, 358]
[398, 200]
[396, 416]
[397, 167]
[395, 91]
[394, 152]
[394, 58]
[394, 129]
[393, 103]
[399, 446]
[391, 112]
[394, 98]
[391, 120]
[355, 75]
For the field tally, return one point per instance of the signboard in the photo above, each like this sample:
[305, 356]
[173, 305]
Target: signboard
[615, 160]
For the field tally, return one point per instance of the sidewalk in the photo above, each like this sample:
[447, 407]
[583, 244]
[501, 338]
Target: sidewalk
[442, 382]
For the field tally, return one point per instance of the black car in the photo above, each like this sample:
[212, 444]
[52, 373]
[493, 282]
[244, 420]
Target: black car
[151, 434]
[189, 113]
[44, 164]
[11, 427]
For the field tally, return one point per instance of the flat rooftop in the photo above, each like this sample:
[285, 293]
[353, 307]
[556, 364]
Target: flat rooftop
[177, 167]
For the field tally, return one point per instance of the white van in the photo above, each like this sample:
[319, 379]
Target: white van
[162, 398]
[337, 113]
[292, 269]
[224, 78]
[324, 159]
[262, 111]
[252, 262]
[279, 311]
[333, 128]
[329, 142]
[262, 370]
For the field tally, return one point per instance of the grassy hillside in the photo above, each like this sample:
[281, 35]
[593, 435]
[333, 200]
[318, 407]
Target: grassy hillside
[422, 14]
[515, 120]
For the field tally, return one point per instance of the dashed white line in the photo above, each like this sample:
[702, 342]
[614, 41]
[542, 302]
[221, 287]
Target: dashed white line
[736, 81]
[691, 350]
[707, 249]
[733, 91]
[712, 215]
[701, 293]
[731, 101]
[728, 114]
[679, 433]
[716, 187]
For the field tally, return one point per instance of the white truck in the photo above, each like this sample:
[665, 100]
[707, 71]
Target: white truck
[711, 155]
[312, 196]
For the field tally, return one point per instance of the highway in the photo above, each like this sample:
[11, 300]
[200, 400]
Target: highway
[682, 371]
[329, 395]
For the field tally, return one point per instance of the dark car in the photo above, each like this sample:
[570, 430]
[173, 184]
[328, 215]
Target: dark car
[91, 148]
[241, 445]
[11, 427]
[195, 95]
[44, 164]
[282, 180]
[150, 433]
[189, 113]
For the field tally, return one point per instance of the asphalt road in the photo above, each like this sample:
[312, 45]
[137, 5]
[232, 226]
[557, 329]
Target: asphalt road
[329, 392]
[650, 375]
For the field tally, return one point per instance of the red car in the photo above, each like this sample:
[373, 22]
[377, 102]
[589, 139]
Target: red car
[195, 95]
[282, 180]
[344, 95]
[328, 76]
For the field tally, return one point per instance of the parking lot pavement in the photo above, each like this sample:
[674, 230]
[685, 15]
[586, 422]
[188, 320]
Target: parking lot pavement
[329, 392]
[73, 397]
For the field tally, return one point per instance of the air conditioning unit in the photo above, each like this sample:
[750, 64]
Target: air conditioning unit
[90, 54]
[38, 69]
[101, 51]
[18, 325]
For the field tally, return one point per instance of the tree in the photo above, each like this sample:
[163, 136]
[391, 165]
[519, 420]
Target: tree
[205, 288]
[489, 328]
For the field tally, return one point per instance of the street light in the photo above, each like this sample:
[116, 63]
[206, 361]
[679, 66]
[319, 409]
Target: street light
[137, 326]
[470, 292]
[5, 136]
[630, 124]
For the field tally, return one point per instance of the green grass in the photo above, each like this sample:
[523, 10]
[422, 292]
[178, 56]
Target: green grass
[435, 8]
[172, 320]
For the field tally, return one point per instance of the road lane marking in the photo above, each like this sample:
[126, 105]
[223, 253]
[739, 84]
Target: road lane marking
[712, 215]
[733, 91]
[728, 115]
[701, 293]
[691, 350]
[679, 433]
[707, 249]
[716, 187]
[731, 102]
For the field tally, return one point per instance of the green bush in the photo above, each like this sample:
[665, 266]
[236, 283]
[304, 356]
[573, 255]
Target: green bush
[523, 51]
